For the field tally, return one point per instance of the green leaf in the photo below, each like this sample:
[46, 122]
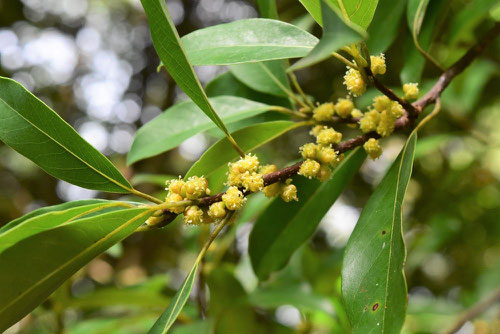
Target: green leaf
[43, 222]
[359, 12]
[227, 84]
[266, 77]
[33, 129]
[249, 40]
[385, 25]
[422, 16]
[373, 282]
[336, 34]
[172, 54]
[213, 163]
[167, 319]
[40, 263]
[59, 207]
[283, 227]
[267, 9]
[314, 8]
[183, 121]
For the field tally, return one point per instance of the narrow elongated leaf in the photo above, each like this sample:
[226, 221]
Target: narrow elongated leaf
[373, 282]
[227, 84]
[267, 77]
[183, 121]
[41, 211]
[169, 47]
[30, 127]
[359, 12]
[314, 8]
[37, 265]
[336, 34]
[167, 319]
[247, 40]
[213, 163]
[267, 9]
[283, 227]
[48, 220]
[384, 27]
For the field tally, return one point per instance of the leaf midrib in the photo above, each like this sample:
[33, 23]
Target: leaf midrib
[74, 259]
[66, 149]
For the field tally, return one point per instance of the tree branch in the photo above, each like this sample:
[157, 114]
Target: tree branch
[412, 111]
[473, 312]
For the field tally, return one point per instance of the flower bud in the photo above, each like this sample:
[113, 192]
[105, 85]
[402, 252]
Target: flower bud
[354, 82]
[233, 198]
[328, 136]
[309, 168]
[378, 64]
[411, 91]
[193, 215]
[324, 112]
[372, 148]
[343, 107]
[309, 151]
[324, 173]
[289, 193]
[217, 210]
[174, 197]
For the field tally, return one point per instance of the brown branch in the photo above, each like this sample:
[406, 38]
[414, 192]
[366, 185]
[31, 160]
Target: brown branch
[474, 311]
[457, 68]
[412, 111]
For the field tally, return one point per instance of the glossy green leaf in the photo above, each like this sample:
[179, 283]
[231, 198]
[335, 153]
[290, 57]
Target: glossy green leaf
[267, 9]
[422, 16]
[227, 84]
[37, 265]
[314, 8]
[266, 77]
[359, 12]
[41, 211]
[167, 319]
[336, 34]
[247, 40]
[173, 56]
[43, 222]
[30, 127]
[373, 282]
[385, 25]
[213, 163]
[183, 121]
[283, 227]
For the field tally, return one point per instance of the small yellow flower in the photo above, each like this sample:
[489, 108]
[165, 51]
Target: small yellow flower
[327, 155]
[250, 163]
[372, 148]
[217, 210]
[343, 107]
[196, 187]
[386, 124]
[354, 82]
[378, 64]
[272, 190]
[316, 130]
[193, 215]
[396, 110]
[252, 181]
[381, 103]
[309, 168]
[411, 91]
[174, 197]
[324, 112]
[289, 193]
[175, 186]
[309, 151]
[328, 136]
[369, 121]
[356, 113]
[324, 173]
[266, 169]
[233, 198]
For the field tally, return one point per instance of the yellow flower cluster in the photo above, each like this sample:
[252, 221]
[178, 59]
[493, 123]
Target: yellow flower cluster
[344, 107]
[378, 64]
[354, 82]
[233, 199]
[324, 112]
[372, 148]
[411, 91]
[245, 174]
[320, 156]
[382, 117]
[178, 190]
[287, 191]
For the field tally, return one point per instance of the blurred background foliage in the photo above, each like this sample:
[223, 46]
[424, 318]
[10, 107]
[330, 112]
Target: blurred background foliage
[93, 62]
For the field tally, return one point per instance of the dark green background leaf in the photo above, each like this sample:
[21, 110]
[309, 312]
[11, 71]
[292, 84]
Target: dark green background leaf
[373, 282]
